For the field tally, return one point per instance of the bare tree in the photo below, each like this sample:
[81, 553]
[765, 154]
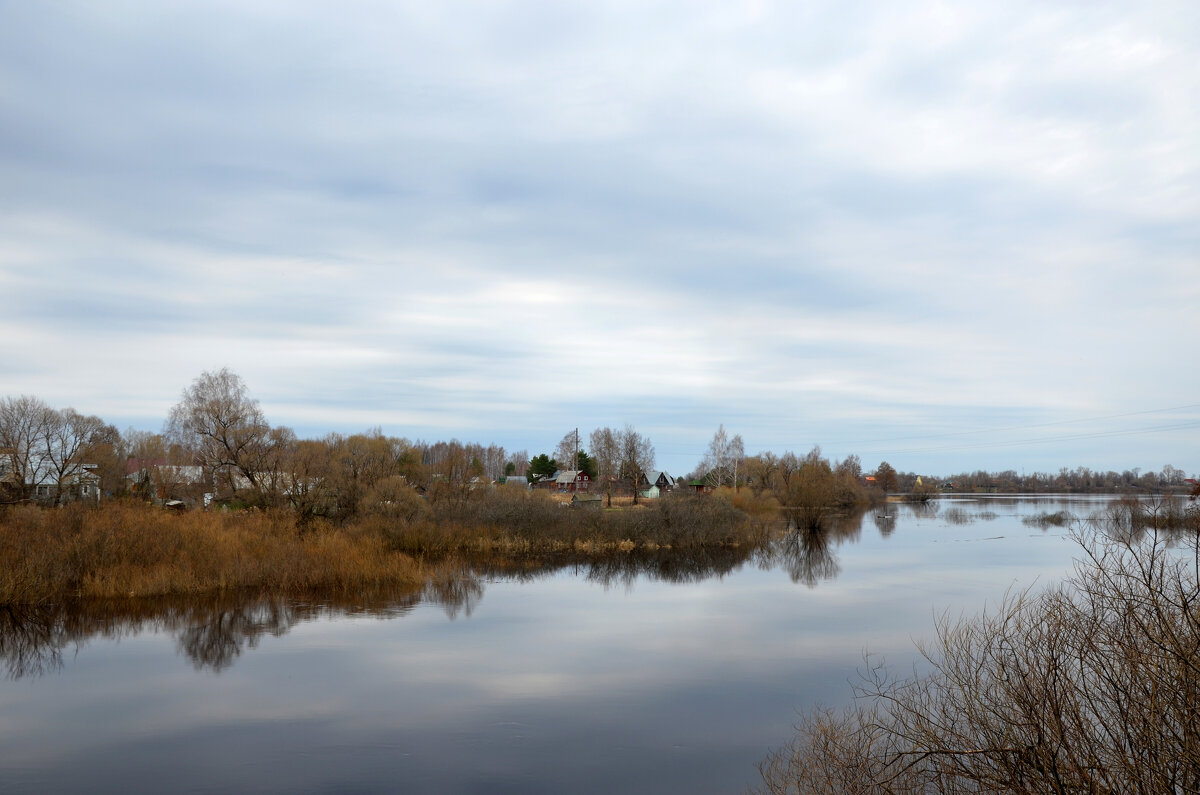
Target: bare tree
[67, 439]
[567, 451]
[606, 453]
[737, 454]
[712, 466]
[225, 427]
[723, 459]
[515, 464]
[23, 423]
[636, 458]
[850, 466]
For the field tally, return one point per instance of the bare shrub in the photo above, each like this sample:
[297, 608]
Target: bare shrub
[392, 498]
[1092, 686]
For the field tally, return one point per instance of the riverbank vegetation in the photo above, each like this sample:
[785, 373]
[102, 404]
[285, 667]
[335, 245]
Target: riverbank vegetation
[1091, 686]
[258, 507]
[254, 507]
[392, 534]
[127, 549]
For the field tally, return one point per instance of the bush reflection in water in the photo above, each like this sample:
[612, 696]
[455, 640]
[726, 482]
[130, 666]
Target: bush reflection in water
[214, 632]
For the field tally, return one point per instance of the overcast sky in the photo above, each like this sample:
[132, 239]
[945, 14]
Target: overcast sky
[947, 235]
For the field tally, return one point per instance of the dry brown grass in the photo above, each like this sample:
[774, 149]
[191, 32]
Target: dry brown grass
[124, 549]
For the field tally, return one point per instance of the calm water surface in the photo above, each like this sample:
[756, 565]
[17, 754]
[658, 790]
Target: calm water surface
[657, 676]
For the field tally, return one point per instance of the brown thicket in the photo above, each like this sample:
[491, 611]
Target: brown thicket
[512, 520]
[1089, 687]
[123, 549]
[129, 548]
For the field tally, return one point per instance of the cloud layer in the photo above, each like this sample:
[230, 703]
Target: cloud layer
[950, 236]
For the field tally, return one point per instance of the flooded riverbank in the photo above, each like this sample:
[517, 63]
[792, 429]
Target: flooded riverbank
[644, 672]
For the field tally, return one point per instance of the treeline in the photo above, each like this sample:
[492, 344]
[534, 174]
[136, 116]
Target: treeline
[218, 442]
[218, 447]
[1080, 480]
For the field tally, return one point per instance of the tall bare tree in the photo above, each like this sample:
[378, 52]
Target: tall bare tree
[567, 452]
[68, 438]
[606, 453]
[636, 458]
[722, 460]
[23, 422]
[224, 426]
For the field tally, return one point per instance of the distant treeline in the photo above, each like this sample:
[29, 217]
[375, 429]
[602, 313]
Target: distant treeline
[1080, 480]
[217, 448]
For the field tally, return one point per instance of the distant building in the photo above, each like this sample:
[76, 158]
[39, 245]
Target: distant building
[572, 480]
[664, 482]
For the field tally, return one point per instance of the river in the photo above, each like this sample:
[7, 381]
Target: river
[641, 674]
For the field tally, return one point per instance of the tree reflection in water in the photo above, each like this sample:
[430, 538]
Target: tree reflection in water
[622, 569]
[217, 638]
[806, 550]
[885, 521]
[213, 632]
[32, 639]
[456, 588]
[924, 510]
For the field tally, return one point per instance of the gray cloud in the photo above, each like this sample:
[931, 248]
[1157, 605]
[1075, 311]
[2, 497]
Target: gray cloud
[825, 223]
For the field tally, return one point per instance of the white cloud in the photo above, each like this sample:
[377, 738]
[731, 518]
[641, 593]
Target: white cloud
[806, 218]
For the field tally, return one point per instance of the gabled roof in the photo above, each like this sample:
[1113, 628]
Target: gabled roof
[566, 475]
[654, 476]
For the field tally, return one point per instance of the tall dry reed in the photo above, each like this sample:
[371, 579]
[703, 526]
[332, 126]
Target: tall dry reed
[123, 549]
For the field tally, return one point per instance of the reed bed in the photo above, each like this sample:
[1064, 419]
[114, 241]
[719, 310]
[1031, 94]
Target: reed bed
[131, 550]
[125, 549]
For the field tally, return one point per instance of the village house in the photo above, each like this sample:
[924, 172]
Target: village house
[662, 480]
[571, 481]
[82, 485]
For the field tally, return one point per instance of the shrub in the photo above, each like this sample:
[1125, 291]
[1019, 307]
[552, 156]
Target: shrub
[1091, 686]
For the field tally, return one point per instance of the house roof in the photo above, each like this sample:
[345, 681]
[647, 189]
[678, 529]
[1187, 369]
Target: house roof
[186, 473]
[654, 476]
[566, 476]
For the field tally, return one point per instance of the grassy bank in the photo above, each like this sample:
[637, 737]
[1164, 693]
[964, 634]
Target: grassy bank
[125, 549]
[128, 549]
